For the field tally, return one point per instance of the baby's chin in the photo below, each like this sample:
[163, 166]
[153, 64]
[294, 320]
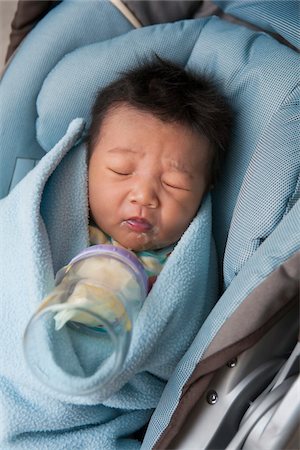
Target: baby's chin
[138, 245]
[139, 242]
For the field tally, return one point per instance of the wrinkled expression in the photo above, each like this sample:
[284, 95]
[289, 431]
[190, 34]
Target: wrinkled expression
[146, 178]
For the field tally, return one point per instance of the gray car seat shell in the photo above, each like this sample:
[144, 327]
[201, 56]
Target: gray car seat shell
[216, 419]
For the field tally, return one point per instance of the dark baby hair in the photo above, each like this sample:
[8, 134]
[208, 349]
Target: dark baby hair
[171, 94]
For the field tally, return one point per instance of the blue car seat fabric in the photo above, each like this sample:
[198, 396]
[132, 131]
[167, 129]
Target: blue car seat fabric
[266, 195]
[259, 77]
[277, 16]
[69, 89]
[258, 179]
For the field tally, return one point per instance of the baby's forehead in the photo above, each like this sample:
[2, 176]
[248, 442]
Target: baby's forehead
[131, 130]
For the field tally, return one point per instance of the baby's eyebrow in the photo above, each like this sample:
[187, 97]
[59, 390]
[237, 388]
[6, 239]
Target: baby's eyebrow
[121, 150]
[178, 166]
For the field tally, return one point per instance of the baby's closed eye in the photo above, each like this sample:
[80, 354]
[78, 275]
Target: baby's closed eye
[120, 168]
[176, 182]
[122, 172]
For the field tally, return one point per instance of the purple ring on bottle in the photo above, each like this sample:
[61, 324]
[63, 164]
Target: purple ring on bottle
[119, 254]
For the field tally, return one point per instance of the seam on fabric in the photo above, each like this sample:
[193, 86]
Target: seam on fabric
[293, 198]
[206, 20]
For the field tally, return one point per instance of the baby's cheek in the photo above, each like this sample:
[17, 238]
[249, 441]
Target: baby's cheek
[183, 222]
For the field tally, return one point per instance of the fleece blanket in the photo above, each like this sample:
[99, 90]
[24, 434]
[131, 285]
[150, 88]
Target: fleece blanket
[44, 223]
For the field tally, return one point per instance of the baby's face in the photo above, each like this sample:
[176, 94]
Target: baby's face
[146, 178]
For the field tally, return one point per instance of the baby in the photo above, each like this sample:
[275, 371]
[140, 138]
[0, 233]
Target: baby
[155, 143]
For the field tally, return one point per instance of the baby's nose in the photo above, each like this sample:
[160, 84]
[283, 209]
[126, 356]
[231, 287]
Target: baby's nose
[145, 194]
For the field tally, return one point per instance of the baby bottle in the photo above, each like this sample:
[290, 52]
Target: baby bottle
[98, 294]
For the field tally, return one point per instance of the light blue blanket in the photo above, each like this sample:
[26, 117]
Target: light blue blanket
[44, 223]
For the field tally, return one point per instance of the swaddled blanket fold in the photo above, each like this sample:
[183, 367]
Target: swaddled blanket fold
[44, 223]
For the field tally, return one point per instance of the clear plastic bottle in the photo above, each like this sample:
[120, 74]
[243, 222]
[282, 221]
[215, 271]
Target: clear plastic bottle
[99, 293]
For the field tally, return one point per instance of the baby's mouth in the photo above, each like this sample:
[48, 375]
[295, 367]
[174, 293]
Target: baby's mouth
[138, 224]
